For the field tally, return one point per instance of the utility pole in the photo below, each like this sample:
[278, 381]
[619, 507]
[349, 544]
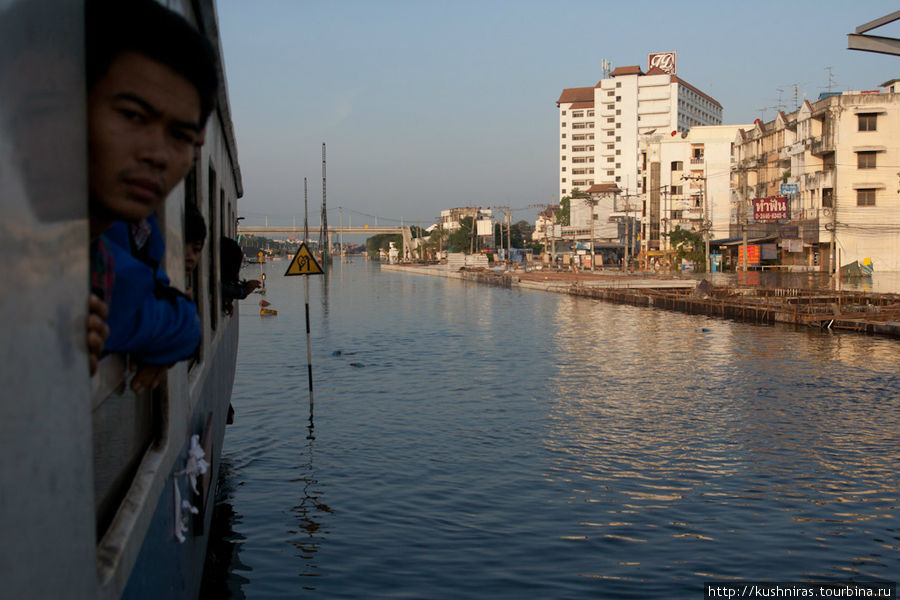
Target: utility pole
[324, 239]
[704, 220]
[508, 233]
[744, 219]
[591, 201]
[627, 256]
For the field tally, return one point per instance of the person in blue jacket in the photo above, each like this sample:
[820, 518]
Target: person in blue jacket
[148, 318]
[152, 83]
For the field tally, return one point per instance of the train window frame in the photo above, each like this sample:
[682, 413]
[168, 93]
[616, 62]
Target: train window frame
[212, 187]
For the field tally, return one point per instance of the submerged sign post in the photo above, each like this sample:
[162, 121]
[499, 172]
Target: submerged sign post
[305, 263]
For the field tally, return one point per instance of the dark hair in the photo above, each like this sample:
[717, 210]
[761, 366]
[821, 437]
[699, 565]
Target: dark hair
[145, 27]
[232, 259]
[194, 225]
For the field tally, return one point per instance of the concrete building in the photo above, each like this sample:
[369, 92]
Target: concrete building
[483, 219]
[830, 169]
[686, 182]
[543, 224]
[451, 217]
[600, 126]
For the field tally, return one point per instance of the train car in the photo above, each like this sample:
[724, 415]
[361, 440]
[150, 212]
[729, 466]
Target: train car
[97, 492]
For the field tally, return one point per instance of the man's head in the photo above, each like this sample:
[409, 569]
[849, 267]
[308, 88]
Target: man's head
[152, 81]
[194, 235]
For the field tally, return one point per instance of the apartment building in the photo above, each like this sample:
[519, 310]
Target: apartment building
[831, 170]
[600, 126]
[686, 183]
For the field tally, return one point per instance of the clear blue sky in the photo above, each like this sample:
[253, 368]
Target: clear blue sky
[427, 105]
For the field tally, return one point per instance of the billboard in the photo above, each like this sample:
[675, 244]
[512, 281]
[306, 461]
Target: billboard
[752, 255]
[769, 210]
[665, 61]
[484, 227]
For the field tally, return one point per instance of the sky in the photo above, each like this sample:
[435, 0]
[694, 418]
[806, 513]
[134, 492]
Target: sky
[427, 105]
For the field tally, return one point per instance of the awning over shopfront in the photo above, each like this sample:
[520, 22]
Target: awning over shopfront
[739, 241]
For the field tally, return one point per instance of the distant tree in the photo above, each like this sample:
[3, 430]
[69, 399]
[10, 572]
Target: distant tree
[382, 241]
[564, 212]
[460, 240]
[688, 245]
[520, 234]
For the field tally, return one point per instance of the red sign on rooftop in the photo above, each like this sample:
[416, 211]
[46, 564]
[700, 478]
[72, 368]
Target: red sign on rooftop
[769, 210]
[664, 61]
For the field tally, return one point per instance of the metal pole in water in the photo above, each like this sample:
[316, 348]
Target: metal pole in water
[306, 295]
[309, 359]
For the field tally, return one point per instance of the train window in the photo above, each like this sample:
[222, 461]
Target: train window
[192, 280]
[213, 244]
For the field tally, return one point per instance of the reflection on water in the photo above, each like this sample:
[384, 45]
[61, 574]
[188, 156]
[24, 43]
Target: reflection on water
[480, 442]
[727, 445]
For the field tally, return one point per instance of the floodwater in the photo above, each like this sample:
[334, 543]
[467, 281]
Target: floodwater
[477, 442]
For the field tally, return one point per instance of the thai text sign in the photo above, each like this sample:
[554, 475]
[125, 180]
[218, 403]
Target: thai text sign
[752, 255]
[768, 210]
[790, 188]
[665, 61]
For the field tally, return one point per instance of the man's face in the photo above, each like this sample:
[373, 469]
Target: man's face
[192, 252]
[144, 128]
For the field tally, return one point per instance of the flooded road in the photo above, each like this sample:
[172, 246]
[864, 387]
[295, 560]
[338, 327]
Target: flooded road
[477, 442]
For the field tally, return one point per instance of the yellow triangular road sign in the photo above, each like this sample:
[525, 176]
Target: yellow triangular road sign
[304, 263]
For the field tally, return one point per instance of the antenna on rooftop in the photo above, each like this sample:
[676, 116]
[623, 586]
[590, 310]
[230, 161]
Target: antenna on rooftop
[830, 79]
[606, 66]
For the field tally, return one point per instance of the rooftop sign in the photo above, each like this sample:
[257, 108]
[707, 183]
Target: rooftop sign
[664, 61]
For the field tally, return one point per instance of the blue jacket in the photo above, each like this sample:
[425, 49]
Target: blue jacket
[148, 318]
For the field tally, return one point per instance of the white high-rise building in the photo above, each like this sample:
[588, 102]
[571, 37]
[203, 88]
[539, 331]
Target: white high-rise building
[600, 126]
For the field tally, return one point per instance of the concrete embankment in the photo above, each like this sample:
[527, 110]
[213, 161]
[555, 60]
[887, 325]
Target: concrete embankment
[851, 311]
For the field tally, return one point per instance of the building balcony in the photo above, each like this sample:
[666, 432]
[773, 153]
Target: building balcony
[819, 179]
[821, 145]
[697, 161]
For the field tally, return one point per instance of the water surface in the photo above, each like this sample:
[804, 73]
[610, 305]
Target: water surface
[474, 442]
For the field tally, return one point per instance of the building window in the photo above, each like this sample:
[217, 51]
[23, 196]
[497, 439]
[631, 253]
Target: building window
[867, 121]
[610, 173]
[677, 165]
[619, 111]
[865, 160]
[618, 84]
[677, 190]
[610, 146]
[564, 169]
[563, 136]
[865, 197]
[610, 119]
[564, 113]
[618, 138]
[563, 179]
[563, 191]
[618, 152]
[610, 93]
[618, 98]
[563, 146]
[610, 159]
[590, 113]
[618, 125]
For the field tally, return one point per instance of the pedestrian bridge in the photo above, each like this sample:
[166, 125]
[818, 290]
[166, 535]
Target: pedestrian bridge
[314, 230]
